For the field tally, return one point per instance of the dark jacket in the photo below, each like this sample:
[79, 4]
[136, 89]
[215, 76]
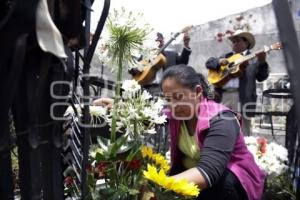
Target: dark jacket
[173, 58]
[247, 82]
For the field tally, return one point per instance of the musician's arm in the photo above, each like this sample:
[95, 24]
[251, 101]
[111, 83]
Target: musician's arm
[134, 71]
[212, 63]
[215, 63]
[184, 57]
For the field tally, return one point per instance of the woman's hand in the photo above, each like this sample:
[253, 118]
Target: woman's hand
[104, 102]
[192, 175]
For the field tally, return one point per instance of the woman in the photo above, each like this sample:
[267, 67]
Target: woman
[207, 146]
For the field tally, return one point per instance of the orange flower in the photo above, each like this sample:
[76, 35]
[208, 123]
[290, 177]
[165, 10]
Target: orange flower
[262, 142]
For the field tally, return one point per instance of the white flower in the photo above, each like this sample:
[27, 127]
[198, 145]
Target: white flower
[138, 114]
[151, 131]
[149, 112]
[250, 140]
[273, 160]
[70, 110]
[159, 104]
[160, 119]
[133, 112]
[131, 86]
[96, 111]
[146, 95]
[253, 149]
[94, 150]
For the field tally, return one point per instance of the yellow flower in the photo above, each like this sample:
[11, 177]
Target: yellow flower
[146, 152]
[158, 159]
[169, 183]
[185, 188]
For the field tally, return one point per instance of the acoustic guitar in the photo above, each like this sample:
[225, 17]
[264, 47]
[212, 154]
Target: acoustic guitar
[236, 66]
[151, 66]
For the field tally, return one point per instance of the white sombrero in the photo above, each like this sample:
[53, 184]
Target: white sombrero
[244, 34]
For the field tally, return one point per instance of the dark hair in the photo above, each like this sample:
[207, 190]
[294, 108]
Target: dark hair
[189, 78]
[160, 35]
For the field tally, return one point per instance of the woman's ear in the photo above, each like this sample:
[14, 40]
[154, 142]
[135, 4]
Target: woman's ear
[199, 91]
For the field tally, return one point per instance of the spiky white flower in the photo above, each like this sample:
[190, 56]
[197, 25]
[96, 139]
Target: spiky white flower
[131, 86]
[146, 95]
[95, 111]
[160, 119]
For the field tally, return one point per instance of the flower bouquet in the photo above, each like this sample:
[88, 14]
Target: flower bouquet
[162, 186]
[129, 178]
[272, 158]
[122, 167]
[117, 165]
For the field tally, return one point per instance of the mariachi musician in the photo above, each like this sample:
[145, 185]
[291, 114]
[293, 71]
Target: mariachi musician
[170, 58]
[239, 93]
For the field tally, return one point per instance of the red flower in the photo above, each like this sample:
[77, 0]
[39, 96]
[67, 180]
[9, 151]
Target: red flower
[69, 180]
[100, 169]
[262, 142]
[134, 164]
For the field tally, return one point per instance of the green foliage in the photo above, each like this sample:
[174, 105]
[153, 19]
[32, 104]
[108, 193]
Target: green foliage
[118, 168]
[279, 188]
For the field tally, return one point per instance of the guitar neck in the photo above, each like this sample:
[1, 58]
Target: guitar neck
[252, 55]
[168, 42]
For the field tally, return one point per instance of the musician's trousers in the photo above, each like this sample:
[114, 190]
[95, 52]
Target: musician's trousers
[231, 99]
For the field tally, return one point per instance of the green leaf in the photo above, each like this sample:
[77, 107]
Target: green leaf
[99, 157]
[133, 191]
[134, 152]
[114, 148]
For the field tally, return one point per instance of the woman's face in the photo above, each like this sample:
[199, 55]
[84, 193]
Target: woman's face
[182, 101]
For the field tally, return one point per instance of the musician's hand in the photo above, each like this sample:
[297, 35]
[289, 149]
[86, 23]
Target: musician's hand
[104, 102]
[223, 61]
[186, 40]
[261, 57]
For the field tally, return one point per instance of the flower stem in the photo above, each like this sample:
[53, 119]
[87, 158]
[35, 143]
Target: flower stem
[117, 98]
